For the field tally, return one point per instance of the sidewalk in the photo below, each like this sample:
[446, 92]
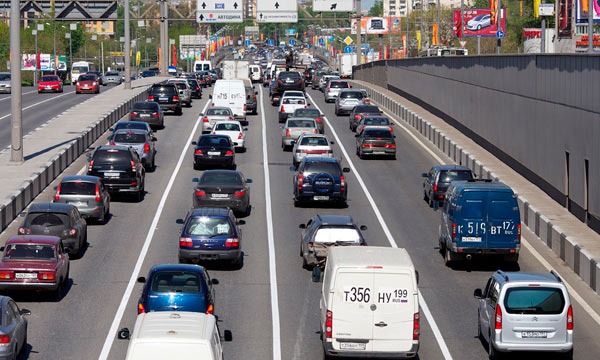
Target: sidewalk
[569, 238]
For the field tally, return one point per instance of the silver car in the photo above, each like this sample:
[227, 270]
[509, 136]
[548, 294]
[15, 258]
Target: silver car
[5, 86]
[13, 328]
[311, 145]
[213, 115]
[141, 141]
[87, 194]
[347, 100]
[521, 311]
[324, 79]
[185, 92]
[111, 77]
[294, 127]
[333, 88]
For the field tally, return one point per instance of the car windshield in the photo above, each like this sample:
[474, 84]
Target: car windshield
[39, 252]
[46, 219]
[534, 300]
[77, 188]
[213, 141]
[218, 112]
[351, 95]
[146, 105]
[209, 226]
[185, 282]
[314, 141]
[317, 167]
[301, 124]
[4, 77]
[337, 234]
[447, 176]
[49, 78]
[111, 156]
[129, 138]
[227, 127]
[87, 78]
[376, 121]
[220, 179]
[296, 101]
[131, 125]
[377, 133]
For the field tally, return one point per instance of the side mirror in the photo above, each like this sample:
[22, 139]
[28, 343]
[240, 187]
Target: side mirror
[332, 142]
[109, 137]
[417, 276]
[123, 334]
[292, 168]
[2, 248]
[256, 93]
[22, 214]
[248, 181]
[195, 180]
[55, 188]
[214, 281]
[293, 142]
[346, 170]
[241, 222]
[201, 114]
[424, 175]
[210, 97]
[141, 280]
[302, 226]
[248, 97]
[356, 135]
[245, 129]
[363, 227]
[179, 221]
[227, 335]
[66, 250]
[478, 294]
[154, 138]
[194, 143]
[25, 312]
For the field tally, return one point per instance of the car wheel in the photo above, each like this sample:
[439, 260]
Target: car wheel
[39, 92]
[425, 197]
[492, 353]
[297, 203]
[479, 334]
[301, 249]
[182, 260]
[196, 166]
[305, 265]
[179, 111]
[478, 27]
[448, 257]
[361, 155]
[568, 355]
[153, 161]
[59, 290]
[101, 220]
[430, 200]
[295, 163]
[237, 262]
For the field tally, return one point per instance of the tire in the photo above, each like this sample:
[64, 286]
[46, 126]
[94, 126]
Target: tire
[305, 265]
[301, 250]
[361, 155]
[425, 197]
[479, 334]
[297, 203]
[179, 111]
[478, 27]
[492, 353]
[430, 201]
[57, 294]
[101, 220]
[568, 355]
[448, 257]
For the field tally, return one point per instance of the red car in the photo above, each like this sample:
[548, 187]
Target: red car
[50, 83]
[87, 83]
[34, 262]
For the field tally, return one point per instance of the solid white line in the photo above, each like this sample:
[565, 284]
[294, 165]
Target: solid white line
[110, 337]
[83, 169]
[436, 331]
[37, 103]
[574, 294]
[270, 239]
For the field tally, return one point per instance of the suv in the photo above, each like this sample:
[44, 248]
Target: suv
[185, 92]
[87, 193]
[120, 169]
[347, 100]
[320, 179]
[167, 96]
[333, 89]
[437, 180]
[289, 80]
[525, 311]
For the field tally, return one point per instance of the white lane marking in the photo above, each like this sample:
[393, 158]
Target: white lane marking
[270, 239]
[110, 337]
[428, 315]
[31, 92]
[38, 103]
[593, 314]
[83, 169]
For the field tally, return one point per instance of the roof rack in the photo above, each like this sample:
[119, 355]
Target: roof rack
[556, 275]
[503, 274]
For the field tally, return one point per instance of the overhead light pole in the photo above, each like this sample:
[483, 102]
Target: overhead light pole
[16, 148]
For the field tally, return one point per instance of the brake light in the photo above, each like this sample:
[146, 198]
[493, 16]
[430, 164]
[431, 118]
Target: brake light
[230, 118]
[200, 193]
[300, 180]
[240, 136]
[91, 165]
[7, 274]
[519, 231]
[205, 119]
[454, 230]
[570, 318]
[97, 193]
[210, 310]
[416, 327]
[23, 231]
[232, 243]
[356, 117]
[175, 98]
[287, 132]
[367, 145]
[390, 146]
[141, 309]
[134, 113]
[72, 232]
[112, 143]
[329, 324]
[282, 109]
[238, 194]
[342, 182]
[46, 276]
[156, 114]
[319, 120]
[197, 88]
[253, 97]
[4, 340]
[132, 166]
[244, 107]
[367, 100]
[434, 187]
[150, 98]
[146, 148]
[229, 153]
[185, 241]
[198, 152]
[498, 318]
[57, 196]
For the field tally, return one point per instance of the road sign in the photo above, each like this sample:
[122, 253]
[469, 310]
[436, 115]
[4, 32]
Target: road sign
[321, 41]
[348, 50]
[348, 40]
[500, 34]
[463, 43]
[276, 11]
[292, 41]
[546, 9]
[333, 5]
[219, 11]
[290, 32]
[271, 42]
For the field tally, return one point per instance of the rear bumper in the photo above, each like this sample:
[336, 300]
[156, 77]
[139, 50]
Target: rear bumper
[328, 347]
[170, 107]
[27, 286]
[93, 212]
[200, 255]
[309, 196]
[221, 160]
[562, 347]
[122, 187]
[382, 151]
[149, 120]
[485, 251]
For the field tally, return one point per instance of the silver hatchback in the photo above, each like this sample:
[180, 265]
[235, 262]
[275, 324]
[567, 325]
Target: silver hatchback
[311, 145]
[333, 88]
[185, 92]
[141, 141]
[87, 194]
[347, 100]
[521, 311]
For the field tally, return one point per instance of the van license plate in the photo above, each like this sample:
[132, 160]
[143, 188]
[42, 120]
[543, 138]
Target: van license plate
[534, 334]
[471, 238]
[321, 198]
[352, 346]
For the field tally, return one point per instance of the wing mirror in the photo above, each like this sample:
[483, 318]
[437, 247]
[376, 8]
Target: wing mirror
[241, 222]
[179, 221]
[424, 175]
[210, 97]
[141, 280]
[248, 181]
[302, 226]
[227, 335]
[363, 227]
[123, 334]
[316, 274]
[194, 143]
[292, 168]
[346, 170]
[214, 281]
[478, 294]
[195, 180]
[25, 312]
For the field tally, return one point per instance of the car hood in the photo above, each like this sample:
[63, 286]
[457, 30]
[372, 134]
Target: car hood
[5, 82]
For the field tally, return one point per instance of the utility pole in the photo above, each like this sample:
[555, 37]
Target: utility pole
[127, 47]
[462, 19]
[68, 36]
[35, 72]
[164, 38]
[16, 148]
[358, 33]
[499, 24]
[437, 40]
[590, 28]
[407, 23]
[55, 65]
[102, 54]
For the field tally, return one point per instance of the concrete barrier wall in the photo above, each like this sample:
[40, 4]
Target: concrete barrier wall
[531, 111]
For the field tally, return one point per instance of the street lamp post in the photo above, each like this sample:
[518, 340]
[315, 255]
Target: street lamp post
[54, 59]
[127, 47]
[68, 36]
[34, 32]
[16, 148]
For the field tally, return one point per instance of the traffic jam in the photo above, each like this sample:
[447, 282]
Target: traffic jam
[367, 295]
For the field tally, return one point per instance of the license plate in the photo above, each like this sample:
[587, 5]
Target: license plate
[471, 238]
[163, 99]
[534, 334]
[77, 203]
[321, 198]
[220, 196]
[214, 153]
[26, 275]
[48, 87]
[144, 115]
[111, 175]
[378, 152]
[352, 346]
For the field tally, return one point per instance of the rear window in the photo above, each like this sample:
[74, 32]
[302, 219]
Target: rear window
[112, 73]
[307, 112]
[110, 156]
[129, 138]
[376, 121]
[301, 124]
[213, 141]
[318, 167]
[293, 93]
[218, 112]
[209, 226]
[339, 85]
[378, 134]
[130, 125]
[30, 252]
[220, 179]
[145, 106]
[46, 219]
[87, 78]
[227, 127]
[77, 188]
[168, 90]
[294, 101]
[447, 176]
[501, 209]
[534, 300]
[337, 234]
[289, 74]
[181, 86]
[314, 141]
[351, 95]
[368, 109]
[472, 209]
[177, 282]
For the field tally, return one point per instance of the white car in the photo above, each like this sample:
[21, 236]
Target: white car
[311, 145]
[234, 130]
[479, 22]
[290, 101]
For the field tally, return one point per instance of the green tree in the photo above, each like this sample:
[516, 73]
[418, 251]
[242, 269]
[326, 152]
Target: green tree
[376, 9]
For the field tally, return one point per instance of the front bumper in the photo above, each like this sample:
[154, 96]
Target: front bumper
[328, 348]
[5, 89]
[51, 89]
[215, 255]
[92, 89]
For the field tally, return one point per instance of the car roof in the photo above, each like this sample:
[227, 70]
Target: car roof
[359, 108]
[526, 277]
[352, 90]
[36, 239]
[177, 267]
[451, 167]
[210, 211]
[479, 185]
[300, 118]
[51, 208]
[220, 136]
[364, 256]
[132, 122]
[335, 219]
[158, 326]
[82, 178]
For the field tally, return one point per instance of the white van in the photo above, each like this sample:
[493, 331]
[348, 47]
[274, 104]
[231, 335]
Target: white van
[202, 65]
[164, 335]
[231, 94]
[369, 303]
[255, 73]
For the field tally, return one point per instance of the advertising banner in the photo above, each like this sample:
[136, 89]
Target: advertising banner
[478, 22]
[377, 25]
[28, 62]
[581, 12]
[47, 62]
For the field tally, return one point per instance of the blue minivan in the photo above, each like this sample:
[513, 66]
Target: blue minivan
[480, 217]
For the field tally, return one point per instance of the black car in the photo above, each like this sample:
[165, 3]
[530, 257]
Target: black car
[195, 87]
[288, 80]
[308, 75]
[167, 96]
[214, 150]
[439, 177]
[56, 219]
[223, 188]
[120, 169]
[251, 102]
[358, 112]
[148, 112]
[375, 141]
[320, 179]
[148, 73]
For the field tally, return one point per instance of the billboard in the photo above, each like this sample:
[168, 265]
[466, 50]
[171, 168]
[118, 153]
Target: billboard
[581, 15]
[47, 62]
[478, 22]
[377, 25]
[28, 62]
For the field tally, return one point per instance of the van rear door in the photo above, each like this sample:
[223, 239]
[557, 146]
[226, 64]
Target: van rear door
[352, 317]
[503, 220]
[395, 301]
[471, 220]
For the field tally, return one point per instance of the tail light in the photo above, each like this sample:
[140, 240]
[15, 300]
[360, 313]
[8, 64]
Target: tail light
[185, 241]
[390, 146]
[229, 153]
[498, 318]
[367, 100]
[73, 232]
[230, 118]
[23, 231]
[305, 106]
[200, 193]
[146, 148]
[210, 310]
[238, 194]
[300, 181]
[213, 104]
[46, 276]
[97, 193]
[319, 120]
[112, 143]
[198, 152]
[570, 318]
[205, 119]
[6, 275]
[244, 107]
[416, 327]
[240, 136]
[232, 243]
[197, 88]
[133, 165]
[253, 97]
[4, 340]
[57, 196]
[150, 98]
[519, 231]
[329, 324]
[287, 132]
[175, 98]
[435, 188]
[282, 109]
[91, 165]
[367, 145]
[156, 114]
[141, 309]
[454, 230]
[356, 117]
[316, 131]
[391, 129]
[342, 182]
[134, 113]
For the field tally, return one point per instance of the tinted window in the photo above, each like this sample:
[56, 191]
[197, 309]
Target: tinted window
[351, 95]
[129, 138]
[112, 73]
[181, 85]
[289, 74]
[30, 252]
[168, 90]
[322, 167]
[149, 105]
[472, 209]
[378, 134]
[220, 179]
[219, 112]
[367, 109]
[314, 141]
[293, 93]
[376, 121]
[177, 281]
[46, 219]
[87, 78]
[77, 188]
[301, 124]
[307, 112]
[111, 156]
[4, 77]
[339, 85]
[447, 176]
[534, 300]
[49, 78]
[296, 101]
[227, 127]
[500, 209]
[213, 141]
[130, 125]
[209, 226]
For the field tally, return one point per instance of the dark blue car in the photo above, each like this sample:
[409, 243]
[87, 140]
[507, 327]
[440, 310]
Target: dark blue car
[210, 234]
[177, 287]
[320, 179]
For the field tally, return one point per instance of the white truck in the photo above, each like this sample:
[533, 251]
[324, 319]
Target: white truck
[345, 63]
[235, 69]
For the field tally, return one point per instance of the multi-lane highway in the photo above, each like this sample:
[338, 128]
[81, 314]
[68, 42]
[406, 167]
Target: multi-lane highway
[270, 304]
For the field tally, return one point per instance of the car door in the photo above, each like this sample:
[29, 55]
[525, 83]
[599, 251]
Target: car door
[62, 266]
[20, 322]
[105, 195]
[12, 326]
[490, 302]
[483, 319]
[502, 220]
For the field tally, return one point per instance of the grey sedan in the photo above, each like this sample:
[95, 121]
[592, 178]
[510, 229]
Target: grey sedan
[13, 329]
[347, 100]
[213, 115]
[111, 77]
[141, 141]
[148, 112]
[294, 127]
